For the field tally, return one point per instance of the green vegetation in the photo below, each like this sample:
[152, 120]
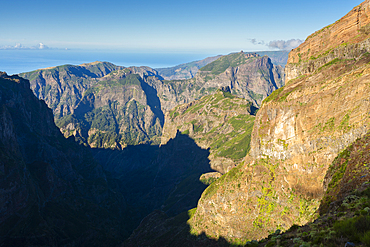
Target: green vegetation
[220, 65]
[347, 222]
[344, 124]
[236, 144]
[255, 96]
[185, 132]
[278, 96]
[131, 79]
[228, 95]
[232, 175]
[356, 229]
[332, 62]
[208, 181]
[174, 114]
[273, 95]
[103, 140]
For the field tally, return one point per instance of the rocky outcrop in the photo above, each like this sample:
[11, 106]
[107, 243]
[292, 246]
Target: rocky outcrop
[298, 132]
[221, 123]
[344, 209]
[101, 104]
[52, 190]
[247, 74]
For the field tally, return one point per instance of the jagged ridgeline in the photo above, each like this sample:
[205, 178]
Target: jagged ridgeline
[109, 106]
[291, 173]
[248, 75]
[188, 70]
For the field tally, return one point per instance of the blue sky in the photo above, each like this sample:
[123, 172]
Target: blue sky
[165, 26]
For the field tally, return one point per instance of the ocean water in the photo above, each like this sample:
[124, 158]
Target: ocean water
[18, 61]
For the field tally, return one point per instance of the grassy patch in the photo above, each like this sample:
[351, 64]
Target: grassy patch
[220, 65]
[273, 95]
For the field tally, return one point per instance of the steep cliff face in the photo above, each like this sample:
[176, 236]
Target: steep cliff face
[344, 209]
[220, 122]
[62, 87]
[248, 75]
[119, 110]
[298, 132]
[101, 104]
[52, 191]
[189, 70]
[347, 38]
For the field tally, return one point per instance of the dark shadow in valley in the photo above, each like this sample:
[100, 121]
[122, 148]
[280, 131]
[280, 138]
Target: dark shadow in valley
[254, 110]
[153, 100]
[160, 184]
[270, 67]
[160, 230]
[162, 178]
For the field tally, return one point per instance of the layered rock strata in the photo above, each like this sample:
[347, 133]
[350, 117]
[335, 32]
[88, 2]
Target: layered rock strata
[298, 132]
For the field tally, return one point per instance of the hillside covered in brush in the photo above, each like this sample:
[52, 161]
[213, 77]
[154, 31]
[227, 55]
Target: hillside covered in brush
[220, 122]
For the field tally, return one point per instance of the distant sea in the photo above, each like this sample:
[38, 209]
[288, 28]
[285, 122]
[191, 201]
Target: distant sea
[18, 61]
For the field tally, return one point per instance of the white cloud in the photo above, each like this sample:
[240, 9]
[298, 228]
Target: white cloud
[42, 46]
[285, 44]
[257, 42]
[19, 46]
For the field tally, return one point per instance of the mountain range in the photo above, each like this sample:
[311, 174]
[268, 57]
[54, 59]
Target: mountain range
[189, 70]
[238, 154]
[108, 106]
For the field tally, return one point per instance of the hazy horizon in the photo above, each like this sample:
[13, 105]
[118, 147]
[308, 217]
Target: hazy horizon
[165, 26]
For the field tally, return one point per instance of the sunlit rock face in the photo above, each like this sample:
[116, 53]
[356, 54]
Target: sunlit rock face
[347, 38]
[298, 132]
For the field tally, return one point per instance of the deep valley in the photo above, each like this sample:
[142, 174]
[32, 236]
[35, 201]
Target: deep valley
[245, 149]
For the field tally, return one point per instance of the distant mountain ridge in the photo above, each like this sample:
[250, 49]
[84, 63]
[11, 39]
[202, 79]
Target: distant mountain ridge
[108, 106]
[186, 70]
[189, 70]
